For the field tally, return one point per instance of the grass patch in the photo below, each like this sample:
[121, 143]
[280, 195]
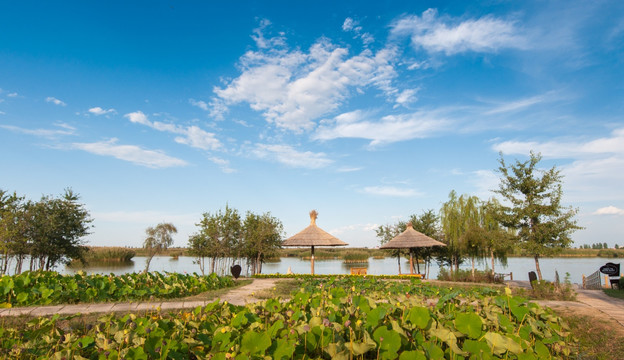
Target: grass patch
[616, 293]
[283, 289]
[596, 337]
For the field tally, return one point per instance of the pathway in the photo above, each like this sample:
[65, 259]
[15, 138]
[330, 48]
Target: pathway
[239, 296]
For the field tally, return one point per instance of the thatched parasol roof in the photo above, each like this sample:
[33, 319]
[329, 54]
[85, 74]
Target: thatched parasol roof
[411, 238]
[313, 236]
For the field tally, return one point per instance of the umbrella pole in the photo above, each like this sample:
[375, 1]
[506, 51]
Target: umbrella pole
[312, 260]
[411, 262]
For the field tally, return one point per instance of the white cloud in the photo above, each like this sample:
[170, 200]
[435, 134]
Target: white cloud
[351, 25]
[391, 191]
[389, 129]
[192, 135]
[609, 210]
[99, 111]
[55, 101]
[406, 96]
[597, 170]
[223, 163]
[566, 149]
[13, 94]
[46, 133]
[150, 158]
[452, 36]
[200, 104]
[293, 88]
[348, 169]
[287, 155]
[521, 104]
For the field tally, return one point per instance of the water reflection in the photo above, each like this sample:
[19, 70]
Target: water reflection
[520, 267]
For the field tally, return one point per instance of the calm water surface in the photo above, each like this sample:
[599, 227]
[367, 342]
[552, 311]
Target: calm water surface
[387, 266]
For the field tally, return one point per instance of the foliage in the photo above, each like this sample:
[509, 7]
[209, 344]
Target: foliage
[328, 276]
[546, 290]
[467, 276]
[48, 287]
[158, 239]
[224, 236]
[356, 256]
[330, 318]
[48, 232]
[261, 237]
[105, 254]
[596, 338]
[542, 224]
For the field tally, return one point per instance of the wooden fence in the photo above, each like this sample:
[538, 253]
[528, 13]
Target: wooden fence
[592, 281]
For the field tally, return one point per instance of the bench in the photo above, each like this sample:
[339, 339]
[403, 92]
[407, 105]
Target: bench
[358, 271]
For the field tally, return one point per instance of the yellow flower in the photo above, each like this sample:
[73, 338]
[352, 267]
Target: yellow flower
[358, 323]
[508, 291]
[222, 330]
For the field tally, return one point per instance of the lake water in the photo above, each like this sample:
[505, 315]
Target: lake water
[577, 267]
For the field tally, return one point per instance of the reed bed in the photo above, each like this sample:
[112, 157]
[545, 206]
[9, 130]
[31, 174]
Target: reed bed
[104, 254]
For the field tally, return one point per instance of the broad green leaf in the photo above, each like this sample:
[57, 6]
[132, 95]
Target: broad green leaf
[255, 343]
[412, 355]
[469, 324]
[420, 317]
[541, 350]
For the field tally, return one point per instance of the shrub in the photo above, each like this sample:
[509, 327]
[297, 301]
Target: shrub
[466, 276]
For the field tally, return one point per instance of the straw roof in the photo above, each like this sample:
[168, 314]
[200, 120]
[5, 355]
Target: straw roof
[313, 236]
[411, 238]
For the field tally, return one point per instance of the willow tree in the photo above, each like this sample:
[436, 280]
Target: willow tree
[543, 226]
[157, 240]
[460, 220]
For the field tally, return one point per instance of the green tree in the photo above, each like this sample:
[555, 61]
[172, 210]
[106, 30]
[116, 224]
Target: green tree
[55, 229]
[11, 228]
[218, 238]
[543, 226]
[460, 219]
[387, 232]
[261, 238]
[158, 239]
[427, 223]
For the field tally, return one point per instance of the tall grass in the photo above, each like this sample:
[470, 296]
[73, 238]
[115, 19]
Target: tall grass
[97, 254]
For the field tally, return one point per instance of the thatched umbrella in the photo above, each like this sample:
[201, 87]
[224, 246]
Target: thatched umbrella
[313, 236]
[410, 239]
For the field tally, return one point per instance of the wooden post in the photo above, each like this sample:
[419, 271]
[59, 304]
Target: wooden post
[607, 282]
[312, 260]
[510, 276]
[411, 263]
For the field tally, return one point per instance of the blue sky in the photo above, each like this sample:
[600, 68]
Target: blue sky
[367, 111]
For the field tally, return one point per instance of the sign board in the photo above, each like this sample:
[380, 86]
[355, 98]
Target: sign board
[610, 269]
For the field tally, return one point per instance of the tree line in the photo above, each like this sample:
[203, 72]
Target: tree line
[41, 234]
[224, 238]
[531, 218]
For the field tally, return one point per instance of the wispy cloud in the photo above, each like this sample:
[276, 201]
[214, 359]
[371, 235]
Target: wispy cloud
[99, 111]
[609, 210]
[192, 135]
[149, 158]
[452, 36]
[567, 149]
[63, 130]
[597, 170]
[389, 129]
[55, 101]
[287, 155]
[522, 104]
[200, 104]
[13, 94]
[294, 88]
[348, 169]
[391, 191]
[351, 25]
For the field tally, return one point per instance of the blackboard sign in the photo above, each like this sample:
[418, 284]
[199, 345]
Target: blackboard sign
[532, 277]
[610, 269]
[236, 270]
